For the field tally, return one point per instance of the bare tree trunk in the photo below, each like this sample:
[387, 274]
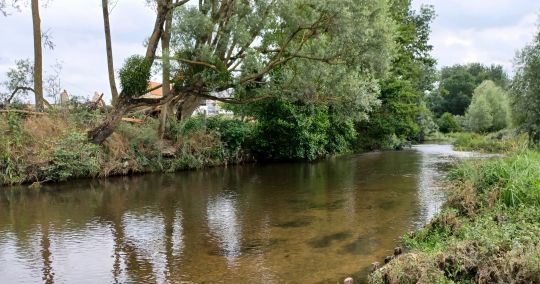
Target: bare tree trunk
[110, 65]
[165, 43]
[38, 57]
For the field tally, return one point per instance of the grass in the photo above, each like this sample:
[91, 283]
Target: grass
[498, 142]
[54, 147]
[487, 232]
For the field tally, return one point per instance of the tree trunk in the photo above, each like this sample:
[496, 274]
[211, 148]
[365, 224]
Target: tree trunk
[100, 133]
[104, 130]
[165, 43]
[110, 65]
[187, 106]
[38, 58]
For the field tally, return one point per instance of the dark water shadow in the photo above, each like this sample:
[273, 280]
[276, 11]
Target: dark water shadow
[327, 240]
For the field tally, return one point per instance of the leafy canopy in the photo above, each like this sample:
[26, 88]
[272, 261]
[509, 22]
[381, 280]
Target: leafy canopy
[526, 89]
[489, 110]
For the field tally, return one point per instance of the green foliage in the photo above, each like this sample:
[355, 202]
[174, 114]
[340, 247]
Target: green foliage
[12, 138]
[402, 114]
[233, 133]
[395, 121]
[447, 123]
[134, 76]
[20, 76]
[489, 110]
[287, 130]
[211, 141]
[457, 84]
[488, 231]
[143, 143]
[503, 141]
[514, 179]
[526, 90]
[72, 156]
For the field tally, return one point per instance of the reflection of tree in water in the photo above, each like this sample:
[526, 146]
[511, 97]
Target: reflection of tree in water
[224, 225]
[48, 274]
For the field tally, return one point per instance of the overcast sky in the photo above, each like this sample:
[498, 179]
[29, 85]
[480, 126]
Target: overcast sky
[486, 31]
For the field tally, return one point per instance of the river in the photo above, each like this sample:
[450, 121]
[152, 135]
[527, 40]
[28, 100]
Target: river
[264, 223]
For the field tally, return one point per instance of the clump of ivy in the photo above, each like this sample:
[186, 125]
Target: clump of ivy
[134, 75]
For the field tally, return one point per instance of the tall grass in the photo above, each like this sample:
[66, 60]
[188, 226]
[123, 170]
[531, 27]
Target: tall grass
[502, 141]
[515, 179]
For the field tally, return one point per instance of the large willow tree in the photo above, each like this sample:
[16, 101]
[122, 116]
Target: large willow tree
[324, 50]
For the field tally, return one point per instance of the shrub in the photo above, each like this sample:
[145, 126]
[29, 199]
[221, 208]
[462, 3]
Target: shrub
[291, 131]
[447, 123]
[72, 156]
[234, 134]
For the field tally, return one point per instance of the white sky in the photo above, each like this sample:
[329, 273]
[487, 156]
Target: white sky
[486, 31]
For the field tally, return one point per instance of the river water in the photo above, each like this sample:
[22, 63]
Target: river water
[265, 223]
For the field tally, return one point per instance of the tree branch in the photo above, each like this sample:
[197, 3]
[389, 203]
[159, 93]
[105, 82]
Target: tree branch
[20, 88]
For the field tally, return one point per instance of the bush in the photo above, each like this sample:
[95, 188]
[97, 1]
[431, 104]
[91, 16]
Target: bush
[291, 131]
[493, 143]
[234, 134]
[72, 156]
[447, 123]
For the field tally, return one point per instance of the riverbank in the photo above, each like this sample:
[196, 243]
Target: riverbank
[53, 146]
[487, 232]
[507, 140]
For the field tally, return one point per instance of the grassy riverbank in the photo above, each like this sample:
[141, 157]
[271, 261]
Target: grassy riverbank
[487, 233]
[53, 146]
[498, 142]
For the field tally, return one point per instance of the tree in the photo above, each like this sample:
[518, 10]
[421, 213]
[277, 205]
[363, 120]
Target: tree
[18, 80]
[22, 75]
[489, 109]
[224, 47]
[402, 113]
[525, 89]
[38, 57]
[166, 70]
[457, 84]
[38, 47]
[108, 44]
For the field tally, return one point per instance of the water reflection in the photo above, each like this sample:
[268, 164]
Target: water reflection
[304, 222]
[224, 225]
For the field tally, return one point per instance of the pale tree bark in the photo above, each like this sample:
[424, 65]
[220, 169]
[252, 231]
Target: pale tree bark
[108, 43]
[125, 102]
[38, 57]
[165, 49]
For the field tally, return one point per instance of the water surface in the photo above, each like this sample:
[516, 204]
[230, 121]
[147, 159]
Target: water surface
[272, 223]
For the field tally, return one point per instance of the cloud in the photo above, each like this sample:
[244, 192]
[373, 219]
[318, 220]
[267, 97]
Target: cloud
[485, 31]
[77, 31]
